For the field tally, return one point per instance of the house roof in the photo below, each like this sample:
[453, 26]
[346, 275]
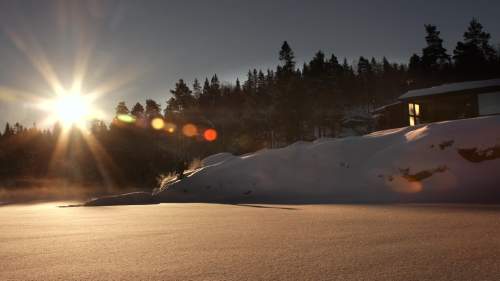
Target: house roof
[382, 108]
[450, 88]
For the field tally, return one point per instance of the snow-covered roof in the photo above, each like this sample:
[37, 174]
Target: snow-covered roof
[453, 87]
[382, 108]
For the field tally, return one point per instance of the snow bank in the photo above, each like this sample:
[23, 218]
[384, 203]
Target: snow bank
[447, 161]
[454, 161]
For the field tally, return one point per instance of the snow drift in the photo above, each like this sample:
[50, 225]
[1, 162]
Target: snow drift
[454, 161]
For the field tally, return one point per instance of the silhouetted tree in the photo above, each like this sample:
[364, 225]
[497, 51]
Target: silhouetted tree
[153, 109]
[434, 55]
[122, 108]
[8, 131]
[474, 55]
[138, 110]
[181, 99]
[287, 59]
[196, 89]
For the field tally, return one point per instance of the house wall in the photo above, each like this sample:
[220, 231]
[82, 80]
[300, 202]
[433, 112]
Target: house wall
[394, 116]
[445, 107]
[442, 107]
[489, 103]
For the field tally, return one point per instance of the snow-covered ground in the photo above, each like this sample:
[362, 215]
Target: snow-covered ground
[241, 242]
[447, 161]
[454, 161]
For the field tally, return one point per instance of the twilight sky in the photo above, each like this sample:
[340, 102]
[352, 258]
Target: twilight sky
[140, 48]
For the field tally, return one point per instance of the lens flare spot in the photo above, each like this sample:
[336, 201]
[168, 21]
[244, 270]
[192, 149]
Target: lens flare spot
[157, 123]
[170, 127]
[210, 135]
[189, 130]
[126, 118]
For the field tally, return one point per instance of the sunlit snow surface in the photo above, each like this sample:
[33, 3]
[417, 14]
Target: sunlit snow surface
[250, 242]
[424, 163]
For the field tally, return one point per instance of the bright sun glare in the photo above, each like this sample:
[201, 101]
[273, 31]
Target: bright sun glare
[71, 109]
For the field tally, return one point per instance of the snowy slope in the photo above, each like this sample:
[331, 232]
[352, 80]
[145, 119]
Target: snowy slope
[432, 162]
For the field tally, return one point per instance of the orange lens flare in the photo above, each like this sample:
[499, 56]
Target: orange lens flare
[189, 130]
[157, 123]
[210, 135]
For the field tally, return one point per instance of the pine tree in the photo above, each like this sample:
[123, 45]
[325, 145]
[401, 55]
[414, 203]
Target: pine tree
[182, 97]
[375, 66]
[237, 88]
[215, 90]
[261, 81]
[317, 66]
[474, 55]
[366, 78]
[122, 109]
[98, 127]
[214, 83]
[153, 109]
[138, 110]
[18, 128]
[333, 66]
[415, 70]
[365, 69]
[387, 68]
[434, 55]
[196, 88]
[206, 87]
[8, 131]
[250, 86]
[287, 59]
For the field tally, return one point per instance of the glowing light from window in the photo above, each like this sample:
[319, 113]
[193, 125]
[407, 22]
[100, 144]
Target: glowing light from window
[412, 121]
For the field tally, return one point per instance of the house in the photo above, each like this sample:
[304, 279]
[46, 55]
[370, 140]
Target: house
[441, 103]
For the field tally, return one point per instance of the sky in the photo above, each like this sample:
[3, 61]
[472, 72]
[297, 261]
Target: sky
[139, 49]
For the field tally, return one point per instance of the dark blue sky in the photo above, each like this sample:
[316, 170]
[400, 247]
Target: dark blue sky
[162, 41]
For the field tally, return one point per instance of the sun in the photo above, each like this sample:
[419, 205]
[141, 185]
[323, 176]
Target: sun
[70, 109]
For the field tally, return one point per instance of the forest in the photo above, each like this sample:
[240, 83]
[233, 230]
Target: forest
[324, 97]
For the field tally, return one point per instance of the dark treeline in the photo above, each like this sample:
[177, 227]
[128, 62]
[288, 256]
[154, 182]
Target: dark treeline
[271, 108]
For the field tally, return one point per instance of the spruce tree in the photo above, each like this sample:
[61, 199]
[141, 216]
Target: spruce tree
[153, 109]
[317, 66]
[287, 58]
[237, 87]
[8, 131]
[434, 55]
[333, 68]
[138, 110]
[182, 97]
[474, 55]
[196, 89]
[122, 109]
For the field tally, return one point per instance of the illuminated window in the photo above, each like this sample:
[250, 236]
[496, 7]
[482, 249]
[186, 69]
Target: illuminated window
[414, 113]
